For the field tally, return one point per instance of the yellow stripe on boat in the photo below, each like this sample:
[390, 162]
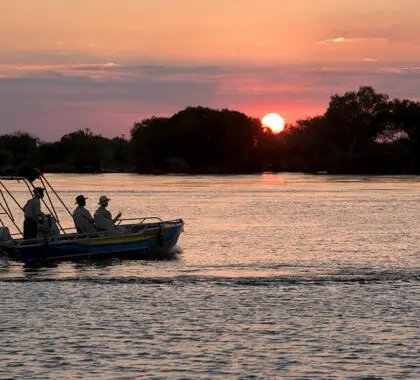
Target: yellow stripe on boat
[124, 239]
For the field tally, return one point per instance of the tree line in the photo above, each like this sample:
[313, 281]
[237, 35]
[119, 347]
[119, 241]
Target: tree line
[361, 132]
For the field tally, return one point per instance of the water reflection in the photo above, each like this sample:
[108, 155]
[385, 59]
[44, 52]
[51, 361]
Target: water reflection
[4, 265]
[10, 269]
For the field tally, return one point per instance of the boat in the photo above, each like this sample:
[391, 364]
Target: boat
[141, 237]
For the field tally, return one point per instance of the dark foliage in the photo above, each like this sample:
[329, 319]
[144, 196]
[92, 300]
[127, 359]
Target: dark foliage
[198, 140]
[362, 132]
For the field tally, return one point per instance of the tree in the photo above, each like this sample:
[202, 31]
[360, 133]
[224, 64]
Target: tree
[23, 147]
[85, 151]
[6, 157]
[354, 120]
[405, 117]
[198, 138]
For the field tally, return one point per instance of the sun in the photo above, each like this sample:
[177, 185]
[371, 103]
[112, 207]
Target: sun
[273, 121]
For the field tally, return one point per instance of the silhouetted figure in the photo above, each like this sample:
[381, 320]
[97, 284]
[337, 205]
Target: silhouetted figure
[103, 218]
[83, 220]
[33, 214]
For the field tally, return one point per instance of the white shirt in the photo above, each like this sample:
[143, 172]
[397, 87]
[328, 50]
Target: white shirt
[83, 220]
[32, 209]
[103, 219]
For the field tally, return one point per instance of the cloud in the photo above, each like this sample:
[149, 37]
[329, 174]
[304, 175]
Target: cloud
[341, 40]
[12, 68]
[403, 70]
[50, 100]
[94, 71]
[370, 60]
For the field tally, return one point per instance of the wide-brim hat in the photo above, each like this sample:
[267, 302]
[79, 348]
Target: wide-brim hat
[80, 198]
[103, 199]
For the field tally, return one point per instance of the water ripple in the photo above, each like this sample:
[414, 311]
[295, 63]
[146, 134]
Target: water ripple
[279, 276]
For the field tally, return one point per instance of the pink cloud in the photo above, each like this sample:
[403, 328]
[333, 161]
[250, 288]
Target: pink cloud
[18, 70]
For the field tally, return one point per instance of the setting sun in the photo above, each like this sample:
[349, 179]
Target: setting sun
[273, 121]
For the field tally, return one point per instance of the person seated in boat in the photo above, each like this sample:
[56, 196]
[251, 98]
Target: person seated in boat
[33, 214]
[83, 220]
[103, 218]
[48, 227]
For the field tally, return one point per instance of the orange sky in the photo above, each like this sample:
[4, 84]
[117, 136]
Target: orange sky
[104, 64]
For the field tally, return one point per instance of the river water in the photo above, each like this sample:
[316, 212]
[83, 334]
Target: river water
[276, 276]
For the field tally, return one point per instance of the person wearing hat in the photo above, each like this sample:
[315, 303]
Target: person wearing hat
[33, 214]
[83, 220]
[103, 218]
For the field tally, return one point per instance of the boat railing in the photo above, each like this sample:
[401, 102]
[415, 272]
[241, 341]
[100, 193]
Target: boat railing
[140, 220]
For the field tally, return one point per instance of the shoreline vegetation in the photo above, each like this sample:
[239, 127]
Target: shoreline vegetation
[361, 132]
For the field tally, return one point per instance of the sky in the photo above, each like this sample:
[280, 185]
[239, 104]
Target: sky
[105, 64]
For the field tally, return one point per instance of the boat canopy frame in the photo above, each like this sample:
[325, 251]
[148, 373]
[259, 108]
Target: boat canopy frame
[6, 197]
